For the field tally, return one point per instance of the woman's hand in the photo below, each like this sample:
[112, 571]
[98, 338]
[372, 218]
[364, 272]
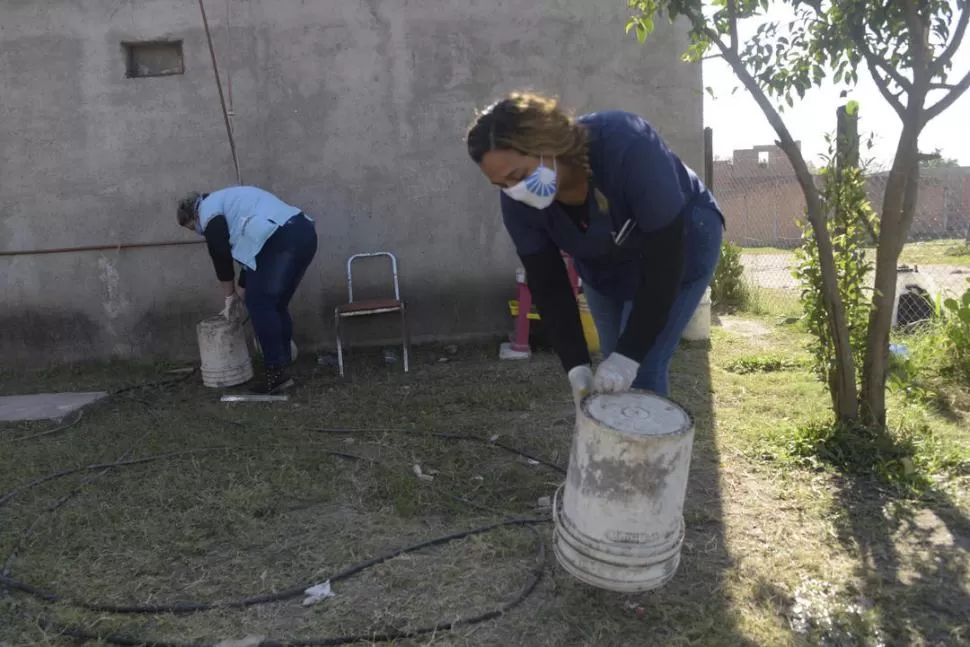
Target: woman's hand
[581, 382]
[233, 309]
[616, 373]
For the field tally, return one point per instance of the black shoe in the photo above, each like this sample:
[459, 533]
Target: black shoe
[275, 381]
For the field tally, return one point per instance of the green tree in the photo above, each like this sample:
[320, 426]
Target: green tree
[936, 160]
[907, 46]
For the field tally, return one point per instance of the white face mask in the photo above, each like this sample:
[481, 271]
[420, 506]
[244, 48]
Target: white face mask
[538, 190]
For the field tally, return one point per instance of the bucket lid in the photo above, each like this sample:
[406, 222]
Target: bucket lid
[639, 413]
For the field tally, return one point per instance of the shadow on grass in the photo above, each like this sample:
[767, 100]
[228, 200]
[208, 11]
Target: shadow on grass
[695, 607]
[911, 541]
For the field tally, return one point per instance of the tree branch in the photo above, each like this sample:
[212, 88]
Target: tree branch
[873, 60]
[955, 41]
[942, 86]
[883, 86]
[918, 36]
[934, 111]
[732, 7]
[844, 385]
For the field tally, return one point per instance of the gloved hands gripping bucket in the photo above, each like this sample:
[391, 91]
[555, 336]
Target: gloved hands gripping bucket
[234, 311]
[614, 374]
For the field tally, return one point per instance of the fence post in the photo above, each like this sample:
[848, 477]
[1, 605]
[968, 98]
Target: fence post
[847, 148]
[709, 157]
[847, 144]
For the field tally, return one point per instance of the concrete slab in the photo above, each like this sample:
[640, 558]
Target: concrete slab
[44, 406]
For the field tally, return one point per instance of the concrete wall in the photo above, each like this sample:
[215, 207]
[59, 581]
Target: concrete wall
[764, 204]
[351, 109]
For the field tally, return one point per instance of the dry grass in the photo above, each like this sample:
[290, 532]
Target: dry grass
[286, 503]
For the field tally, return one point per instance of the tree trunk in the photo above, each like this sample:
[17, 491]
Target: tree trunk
[897, 216]
[898, 207]
[844, 392]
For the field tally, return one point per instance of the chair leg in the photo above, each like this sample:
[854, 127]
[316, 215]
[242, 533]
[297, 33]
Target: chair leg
[405, 336]
[340, 346]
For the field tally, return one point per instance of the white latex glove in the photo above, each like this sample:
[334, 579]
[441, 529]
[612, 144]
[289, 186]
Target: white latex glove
[232, 308]
[615, 373]
[581, 382]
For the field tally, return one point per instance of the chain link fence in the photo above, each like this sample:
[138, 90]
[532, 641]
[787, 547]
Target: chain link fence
[764, 204]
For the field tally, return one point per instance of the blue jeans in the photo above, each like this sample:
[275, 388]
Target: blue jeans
[280, 266]
[702, 242]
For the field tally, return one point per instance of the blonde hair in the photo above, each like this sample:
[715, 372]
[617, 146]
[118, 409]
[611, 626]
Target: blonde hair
[532, 124]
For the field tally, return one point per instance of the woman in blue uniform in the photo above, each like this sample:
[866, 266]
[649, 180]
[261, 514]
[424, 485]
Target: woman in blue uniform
[643, 229]
[274, 244]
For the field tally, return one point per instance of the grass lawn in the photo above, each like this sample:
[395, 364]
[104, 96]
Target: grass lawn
[936, 252]
[256, 499]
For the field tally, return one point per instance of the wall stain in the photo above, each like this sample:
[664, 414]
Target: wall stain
[114, 302]
[34, 338]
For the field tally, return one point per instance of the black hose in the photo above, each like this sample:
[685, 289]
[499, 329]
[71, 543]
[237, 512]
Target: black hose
[291, 592]
[100, 466]
[386, 636]
[281, 596]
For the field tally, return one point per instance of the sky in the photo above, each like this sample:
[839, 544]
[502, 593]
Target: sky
[739, 123]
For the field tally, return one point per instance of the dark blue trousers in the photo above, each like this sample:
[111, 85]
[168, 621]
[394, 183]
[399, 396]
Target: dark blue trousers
[704, 233]
[280, 266]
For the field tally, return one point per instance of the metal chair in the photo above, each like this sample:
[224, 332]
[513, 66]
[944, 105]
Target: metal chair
[370, 307]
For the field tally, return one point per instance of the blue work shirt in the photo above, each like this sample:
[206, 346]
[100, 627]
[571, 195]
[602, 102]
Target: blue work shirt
[642, 180]
[252, 214]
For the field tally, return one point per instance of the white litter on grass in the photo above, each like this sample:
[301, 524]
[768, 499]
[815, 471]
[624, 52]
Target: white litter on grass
[421, 475]
[318, 592]
[493, 438]
[544, 503]
[533, 462]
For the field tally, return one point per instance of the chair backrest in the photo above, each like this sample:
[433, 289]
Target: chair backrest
[350, 272]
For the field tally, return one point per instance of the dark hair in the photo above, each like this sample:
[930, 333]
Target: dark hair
[530, 124]
[186, 209]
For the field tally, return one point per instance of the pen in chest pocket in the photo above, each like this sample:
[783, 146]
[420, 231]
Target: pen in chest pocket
[619, 237]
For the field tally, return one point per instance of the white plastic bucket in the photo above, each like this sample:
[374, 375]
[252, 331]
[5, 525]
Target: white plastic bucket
[699, 327]
[620, 525]
[224, 354]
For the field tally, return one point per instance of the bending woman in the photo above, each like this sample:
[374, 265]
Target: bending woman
[643, 229]
[274, 243]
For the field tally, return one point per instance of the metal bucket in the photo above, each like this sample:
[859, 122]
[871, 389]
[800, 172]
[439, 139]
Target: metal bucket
[224, 354]
[620, 525]
[699, 326]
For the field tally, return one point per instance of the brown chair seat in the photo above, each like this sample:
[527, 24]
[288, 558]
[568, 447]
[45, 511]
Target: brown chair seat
[369, 306]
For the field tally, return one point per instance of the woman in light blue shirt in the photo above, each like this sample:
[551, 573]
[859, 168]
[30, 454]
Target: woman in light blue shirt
[274, 244]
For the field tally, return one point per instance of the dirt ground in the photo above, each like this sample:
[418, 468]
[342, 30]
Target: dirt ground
[244, 500]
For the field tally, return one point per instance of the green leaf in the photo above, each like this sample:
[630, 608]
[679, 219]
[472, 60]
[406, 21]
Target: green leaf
[852, 107]
[964, 315]
[951, 304]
